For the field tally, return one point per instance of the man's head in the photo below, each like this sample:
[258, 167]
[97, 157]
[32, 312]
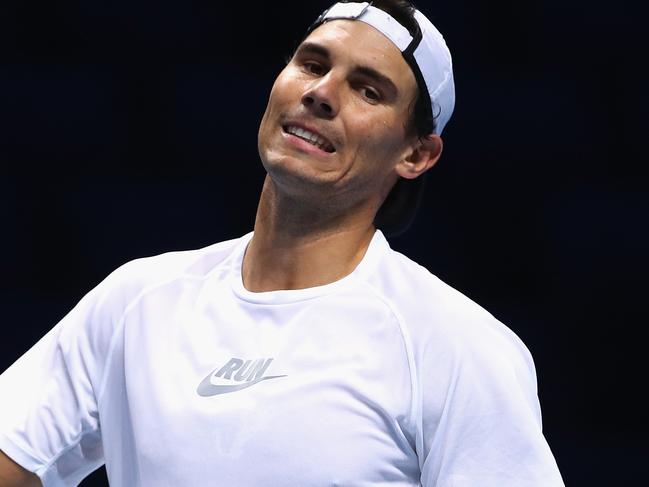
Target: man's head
[355, 84]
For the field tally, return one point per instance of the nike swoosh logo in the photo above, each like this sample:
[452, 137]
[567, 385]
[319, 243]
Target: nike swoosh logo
[207, 389]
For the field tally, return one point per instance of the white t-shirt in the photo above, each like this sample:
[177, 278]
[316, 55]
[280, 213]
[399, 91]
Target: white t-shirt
[173, 374]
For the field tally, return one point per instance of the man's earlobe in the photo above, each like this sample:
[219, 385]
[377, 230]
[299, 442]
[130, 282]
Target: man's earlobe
[422, 157]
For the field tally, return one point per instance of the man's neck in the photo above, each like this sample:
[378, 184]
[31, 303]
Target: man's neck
[294, 247]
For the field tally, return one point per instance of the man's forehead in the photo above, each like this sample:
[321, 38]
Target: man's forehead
[362, 44]
[356, 37]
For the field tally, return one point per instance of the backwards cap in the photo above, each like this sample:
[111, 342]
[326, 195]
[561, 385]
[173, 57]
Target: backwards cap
[426, 53]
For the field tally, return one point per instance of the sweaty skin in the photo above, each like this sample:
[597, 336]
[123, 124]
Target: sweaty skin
[349, 85]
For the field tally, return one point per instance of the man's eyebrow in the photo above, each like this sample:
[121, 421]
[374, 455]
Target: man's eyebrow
[319, 50]
[312, 48]
[377, 77]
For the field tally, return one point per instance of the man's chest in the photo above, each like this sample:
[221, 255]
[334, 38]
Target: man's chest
[311, 394]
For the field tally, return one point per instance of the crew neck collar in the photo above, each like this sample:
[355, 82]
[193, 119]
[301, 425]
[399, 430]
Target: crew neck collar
[377, 245]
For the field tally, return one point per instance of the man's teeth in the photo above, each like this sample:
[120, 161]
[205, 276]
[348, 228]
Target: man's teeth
[310, 137]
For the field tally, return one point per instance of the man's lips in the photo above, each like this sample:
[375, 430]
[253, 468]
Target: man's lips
[310, 136]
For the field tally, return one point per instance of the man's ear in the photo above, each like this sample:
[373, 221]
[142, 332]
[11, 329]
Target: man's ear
[424, 154]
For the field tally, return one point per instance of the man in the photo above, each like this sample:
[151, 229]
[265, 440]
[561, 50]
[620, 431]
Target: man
[306, 352]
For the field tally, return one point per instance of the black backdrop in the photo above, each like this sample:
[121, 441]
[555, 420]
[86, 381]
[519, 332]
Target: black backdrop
[128, 128]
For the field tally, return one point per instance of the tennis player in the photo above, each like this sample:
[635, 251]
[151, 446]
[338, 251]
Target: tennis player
[307, 352]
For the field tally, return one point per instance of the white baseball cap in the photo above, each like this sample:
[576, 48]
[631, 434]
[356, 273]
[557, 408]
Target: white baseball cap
[426, 53]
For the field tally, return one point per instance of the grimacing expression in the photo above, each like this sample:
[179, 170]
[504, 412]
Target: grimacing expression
[337, 115]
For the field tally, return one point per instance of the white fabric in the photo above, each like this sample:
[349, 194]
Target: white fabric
[347, 10]
[377, 18]
[385, 377]
[435, 63]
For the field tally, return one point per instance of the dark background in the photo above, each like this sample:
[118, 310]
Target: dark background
[129, 129]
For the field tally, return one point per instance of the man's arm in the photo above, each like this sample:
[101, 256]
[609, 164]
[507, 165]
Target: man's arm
[13, 475]
[482, 423]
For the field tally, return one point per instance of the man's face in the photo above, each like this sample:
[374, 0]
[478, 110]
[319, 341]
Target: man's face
[348, 90]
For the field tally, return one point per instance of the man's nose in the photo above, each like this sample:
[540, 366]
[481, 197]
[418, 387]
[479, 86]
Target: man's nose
[322, 96]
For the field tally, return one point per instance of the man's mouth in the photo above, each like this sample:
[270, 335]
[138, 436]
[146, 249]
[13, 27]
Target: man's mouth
[312, 138]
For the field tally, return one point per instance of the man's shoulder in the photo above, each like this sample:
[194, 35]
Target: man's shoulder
[194, 262]
[432, 311]
[141, 275]
[413, 288]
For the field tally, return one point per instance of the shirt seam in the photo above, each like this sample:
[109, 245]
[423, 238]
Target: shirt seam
[223, 267]
[43, 468]
[407, 342]
[6, 438]
[69, 447]
[111, 347]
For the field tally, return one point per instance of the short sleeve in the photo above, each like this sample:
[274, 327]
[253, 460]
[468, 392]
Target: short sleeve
[49, 421]
[481, 419]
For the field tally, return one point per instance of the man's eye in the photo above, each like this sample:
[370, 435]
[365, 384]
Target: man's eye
[314, 68]
[370, 93]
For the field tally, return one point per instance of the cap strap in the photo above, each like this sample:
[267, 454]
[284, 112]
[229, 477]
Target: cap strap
[377, 18]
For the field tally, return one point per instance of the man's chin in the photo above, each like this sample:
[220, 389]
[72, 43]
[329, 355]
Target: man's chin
[297, 177]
